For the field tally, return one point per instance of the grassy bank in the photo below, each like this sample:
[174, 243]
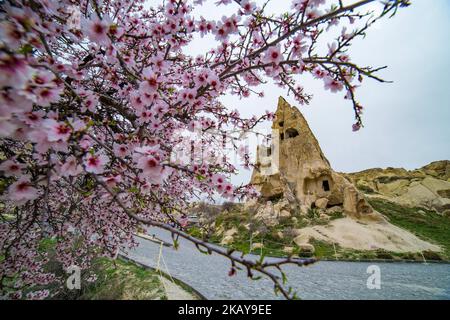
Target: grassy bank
[250, 232]
[108, 279]
[122, 280]
[111, 279]
[427, 225]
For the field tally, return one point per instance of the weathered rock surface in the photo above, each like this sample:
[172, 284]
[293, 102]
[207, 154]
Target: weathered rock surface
[267, 214]
[227, 240]
[285, 214]
[231, 232]
[321, 203]
[257, 245]
[296, 181]
[306, 248]
[288, 250]
[294, 174]
[427, 187]
[353, 234]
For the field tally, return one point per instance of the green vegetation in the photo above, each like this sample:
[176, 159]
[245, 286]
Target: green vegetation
[274, 238]
[114, 279]
[365, 189]
[122, 280]
[325, 250]
[426, 224]
[105, 279]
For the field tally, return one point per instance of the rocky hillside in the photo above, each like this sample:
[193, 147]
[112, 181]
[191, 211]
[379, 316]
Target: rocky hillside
[411, 233]
[415, 226]
[427, 187]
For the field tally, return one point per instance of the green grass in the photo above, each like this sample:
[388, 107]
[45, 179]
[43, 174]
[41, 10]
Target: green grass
[116, 279]
[273, 245]
[325, 250]
[426, 224]
[122, 280]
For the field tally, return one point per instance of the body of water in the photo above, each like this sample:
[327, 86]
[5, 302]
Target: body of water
[323, 280]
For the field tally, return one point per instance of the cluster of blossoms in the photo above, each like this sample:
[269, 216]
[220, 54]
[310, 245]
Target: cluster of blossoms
[93, 92]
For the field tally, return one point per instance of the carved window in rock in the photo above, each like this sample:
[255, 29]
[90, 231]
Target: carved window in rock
[269, 151]
[281, 123]
[325, 185]
[291, 133]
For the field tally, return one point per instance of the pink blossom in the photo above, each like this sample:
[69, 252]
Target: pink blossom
[90, 103]
[40, 138]
[356, 127]
[151, 169]
[57, 130]
[22, 191]
[71, 167]
[86, 142]
[273, 55]
[319, 73]
[77, 124]
[137, 101]
[42, 78]
[145, 116]
[150, 83]
[218, 179]
[97, 30]
[11, 34]
[11, 168]
[47, 95]
[121, 150]
[7, 127]
[95, 163]
[227, 191]
[333, 85]
[248, 7]
[112, 180]
[14, 71]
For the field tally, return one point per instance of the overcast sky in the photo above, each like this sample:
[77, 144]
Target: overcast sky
[406, 122]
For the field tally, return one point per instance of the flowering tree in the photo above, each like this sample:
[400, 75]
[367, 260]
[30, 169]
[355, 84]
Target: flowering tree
[94, 92]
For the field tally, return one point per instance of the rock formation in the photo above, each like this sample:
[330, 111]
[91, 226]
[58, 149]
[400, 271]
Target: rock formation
[303, 201]
[293, 172]
[427, 187]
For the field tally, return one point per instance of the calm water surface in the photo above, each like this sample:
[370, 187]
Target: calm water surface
[323, 280]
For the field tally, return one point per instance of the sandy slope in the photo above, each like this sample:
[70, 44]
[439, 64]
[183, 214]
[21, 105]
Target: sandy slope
[349, 233]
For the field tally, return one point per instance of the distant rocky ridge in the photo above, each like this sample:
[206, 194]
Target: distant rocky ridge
[427, 187]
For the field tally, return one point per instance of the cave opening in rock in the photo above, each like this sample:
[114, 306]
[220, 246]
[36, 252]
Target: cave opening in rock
[326, 185]
[291, 133]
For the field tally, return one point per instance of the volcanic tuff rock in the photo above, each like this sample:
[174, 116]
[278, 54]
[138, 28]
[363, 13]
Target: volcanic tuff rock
[427, 187]
[294, 169]
[296, 182]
